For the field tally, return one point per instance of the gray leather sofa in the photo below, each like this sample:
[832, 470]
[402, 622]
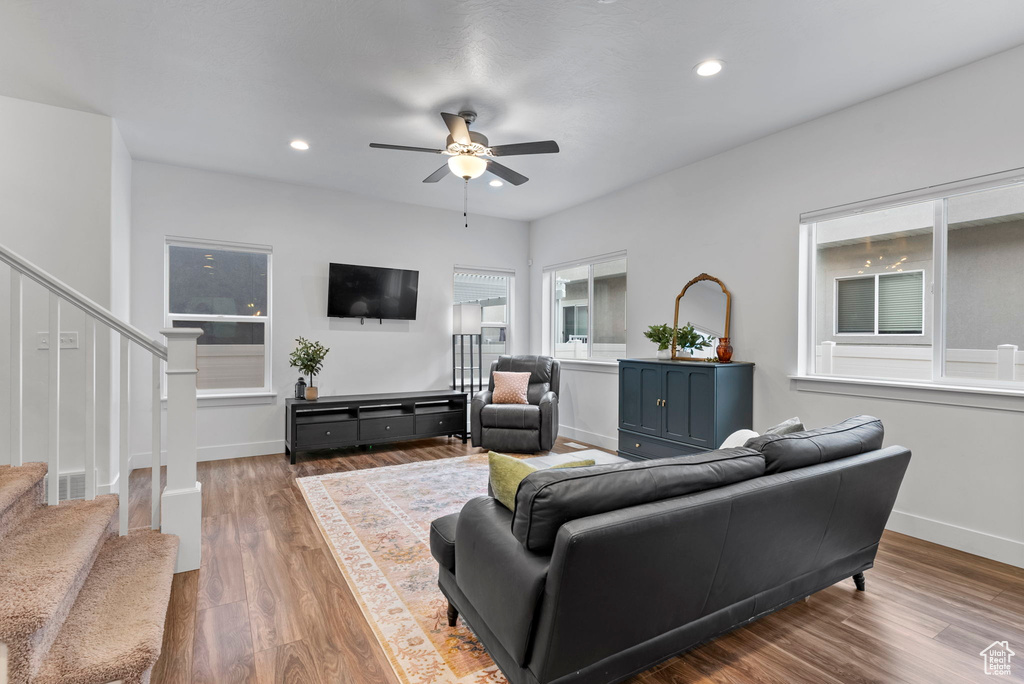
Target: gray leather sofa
[604, 571]
[519, 428]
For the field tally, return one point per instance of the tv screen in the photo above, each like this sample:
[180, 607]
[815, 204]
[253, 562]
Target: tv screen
[371, 292]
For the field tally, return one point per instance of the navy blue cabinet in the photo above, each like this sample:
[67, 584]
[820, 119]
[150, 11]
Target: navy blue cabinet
[668, 408]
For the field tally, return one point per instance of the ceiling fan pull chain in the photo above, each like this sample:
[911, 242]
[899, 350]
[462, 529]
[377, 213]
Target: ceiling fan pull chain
[465, 202]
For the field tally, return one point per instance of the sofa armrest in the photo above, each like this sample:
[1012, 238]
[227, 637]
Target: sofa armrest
[480, 399]
[500, 578]
[548, 420]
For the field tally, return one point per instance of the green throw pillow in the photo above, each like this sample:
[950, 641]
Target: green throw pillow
[507, 472]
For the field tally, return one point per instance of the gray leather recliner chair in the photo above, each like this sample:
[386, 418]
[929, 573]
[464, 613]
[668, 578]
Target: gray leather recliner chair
[519, 428]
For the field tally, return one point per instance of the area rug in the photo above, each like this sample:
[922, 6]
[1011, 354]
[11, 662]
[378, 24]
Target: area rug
[377, 523]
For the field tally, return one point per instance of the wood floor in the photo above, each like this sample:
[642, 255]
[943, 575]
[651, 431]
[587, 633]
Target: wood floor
[270, 605]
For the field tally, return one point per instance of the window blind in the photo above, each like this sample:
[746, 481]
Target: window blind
[900, 303]
[855, 305]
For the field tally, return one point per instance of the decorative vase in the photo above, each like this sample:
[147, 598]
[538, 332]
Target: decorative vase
[724, 350]
[664, 354]
[312, 393]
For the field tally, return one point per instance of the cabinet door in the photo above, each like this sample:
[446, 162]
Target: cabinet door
[639, 392]
[690, 405]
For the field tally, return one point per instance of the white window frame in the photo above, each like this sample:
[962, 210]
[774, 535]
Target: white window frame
[169, 318]
[510, 311]
[1002, 395]
[549, 274]
[876, 334]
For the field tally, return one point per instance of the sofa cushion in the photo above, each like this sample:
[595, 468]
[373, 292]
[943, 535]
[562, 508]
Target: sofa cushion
[506, 472]
[515, 416]
[509, 387]
[547, 499]
[442, 540]
[785, 427]
[800, 449]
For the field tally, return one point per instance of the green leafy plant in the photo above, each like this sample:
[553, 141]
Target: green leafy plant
[660, 335]
[308, 357]
[686, 337]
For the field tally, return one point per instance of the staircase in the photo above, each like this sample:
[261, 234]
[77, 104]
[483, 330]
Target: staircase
[78, 604]
[82, 598]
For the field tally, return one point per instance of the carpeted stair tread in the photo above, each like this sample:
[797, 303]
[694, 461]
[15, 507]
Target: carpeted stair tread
[115, 628]
[43, 564]
[21, 490]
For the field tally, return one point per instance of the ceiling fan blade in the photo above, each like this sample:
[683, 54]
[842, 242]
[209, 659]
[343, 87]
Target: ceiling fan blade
[539, 147]
[457, 127]
[505, 173]
[437, 175]
[382, 146]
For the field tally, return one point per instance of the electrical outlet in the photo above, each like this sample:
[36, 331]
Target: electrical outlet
[68, 340]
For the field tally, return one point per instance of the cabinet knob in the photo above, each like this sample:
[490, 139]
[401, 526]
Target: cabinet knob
[637, 445]
[387, 427]
[440, 422]
[328, 433]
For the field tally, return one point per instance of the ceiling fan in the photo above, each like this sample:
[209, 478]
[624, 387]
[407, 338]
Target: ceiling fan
[469, 151]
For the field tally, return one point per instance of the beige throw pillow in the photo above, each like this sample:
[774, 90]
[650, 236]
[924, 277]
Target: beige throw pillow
[510, 388]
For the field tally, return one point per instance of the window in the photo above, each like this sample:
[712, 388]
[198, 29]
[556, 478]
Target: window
[224, 289]
[589, 309]
[492, 290]
[880, 304]
[927, 290]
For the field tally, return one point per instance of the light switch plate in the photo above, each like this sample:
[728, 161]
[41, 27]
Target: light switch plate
[68, 340]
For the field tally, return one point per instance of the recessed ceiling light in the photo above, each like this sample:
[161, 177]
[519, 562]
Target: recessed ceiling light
[300, 145]
[708, 67]
[495, 183]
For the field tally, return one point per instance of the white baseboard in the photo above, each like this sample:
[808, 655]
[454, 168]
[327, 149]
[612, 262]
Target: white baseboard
[217, 452]
[593, 438]
[972, 541]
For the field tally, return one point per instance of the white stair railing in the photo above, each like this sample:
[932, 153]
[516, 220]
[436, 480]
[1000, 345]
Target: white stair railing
[176, 509]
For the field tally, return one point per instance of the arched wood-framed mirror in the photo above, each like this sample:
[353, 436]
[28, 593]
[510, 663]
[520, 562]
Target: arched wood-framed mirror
[709, 310]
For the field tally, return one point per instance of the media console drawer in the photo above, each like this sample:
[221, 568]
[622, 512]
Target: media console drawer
[433, 423]
[325, 433]
[385, 428]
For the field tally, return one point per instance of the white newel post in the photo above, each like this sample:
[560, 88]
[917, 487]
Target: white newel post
[1006, 357]
[182, 500]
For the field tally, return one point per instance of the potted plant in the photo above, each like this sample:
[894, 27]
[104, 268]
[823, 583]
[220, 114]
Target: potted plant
[687, 338]
[661, 335]
[308, 357]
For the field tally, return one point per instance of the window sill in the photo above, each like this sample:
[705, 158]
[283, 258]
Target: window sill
[234, 399]
[996, 398]
[590, 365]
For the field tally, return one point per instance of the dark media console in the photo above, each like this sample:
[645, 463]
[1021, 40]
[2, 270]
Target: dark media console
[332, 422]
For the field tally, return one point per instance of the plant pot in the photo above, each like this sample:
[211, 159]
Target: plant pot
[664, 354]
[724, 350]
[312, 393]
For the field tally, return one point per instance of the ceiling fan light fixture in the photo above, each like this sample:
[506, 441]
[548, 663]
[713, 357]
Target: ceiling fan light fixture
[467, 166]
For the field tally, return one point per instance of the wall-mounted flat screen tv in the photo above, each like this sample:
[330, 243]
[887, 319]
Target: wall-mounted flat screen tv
[372, 292]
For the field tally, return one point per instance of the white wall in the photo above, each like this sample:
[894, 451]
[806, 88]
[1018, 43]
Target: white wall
[56, 183]
[735, 216]
[308, 228]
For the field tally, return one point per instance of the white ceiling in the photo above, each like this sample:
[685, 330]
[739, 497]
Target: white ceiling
[225, 84]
